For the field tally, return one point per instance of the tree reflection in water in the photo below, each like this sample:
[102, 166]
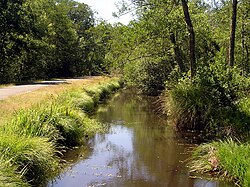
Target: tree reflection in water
[139, 150]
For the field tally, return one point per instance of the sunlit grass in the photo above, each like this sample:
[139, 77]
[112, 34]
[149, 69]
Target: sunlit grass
[27, 100]
[227, 160]
[38, 126]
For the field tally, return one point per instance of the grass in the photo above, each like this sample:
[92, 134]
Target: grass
[34, 135]
[9, 176]
[210, 101]
[227, 159]
[34, 157]
[28, 100]
[215, 102]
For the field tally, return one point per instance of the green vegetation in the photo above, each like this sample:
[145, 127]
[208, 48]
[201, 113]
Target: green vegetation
[196, 50]
[41, 39]
[32, 141]
[211, 101]
[225, 159]
[199, 52]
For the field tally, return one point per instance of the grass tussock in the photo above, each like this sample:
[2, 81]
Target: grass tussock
[9, 175]
[227, 160]
[211, 101]
[32, 139]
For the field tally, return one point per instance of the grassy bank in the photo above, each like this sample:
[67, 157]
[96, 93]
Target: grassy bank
[216, 105]
[229, 158]
[33, 137]
[226, 160]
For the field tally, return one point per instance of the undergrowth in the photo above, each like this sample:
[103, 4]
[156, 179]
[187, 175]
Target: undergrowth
[210, 101]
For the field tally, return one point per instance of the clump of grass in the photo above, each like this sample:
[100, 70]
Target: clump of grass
[210, 101]
[228, 160]
[190, 106]
[34, 157]
[9, 175]
[62, 125]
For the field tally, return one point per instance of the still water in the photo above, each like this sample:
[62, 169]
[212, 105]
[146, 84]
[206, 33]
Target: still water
[139, 150]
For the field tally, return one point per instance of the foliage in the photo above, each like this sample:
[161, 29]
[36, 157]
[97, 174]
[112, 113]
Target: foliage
[210, 100]
[160, 34]
[149, 76]
[46, 38]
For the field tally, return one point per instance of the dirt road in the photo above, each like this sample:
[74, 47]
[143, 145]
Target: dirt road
[6, 92]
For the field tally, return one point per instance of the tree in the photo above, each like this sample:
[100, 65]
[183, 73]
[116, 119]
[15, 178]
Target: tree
[191, 38]
[15, 24]
[232, 34]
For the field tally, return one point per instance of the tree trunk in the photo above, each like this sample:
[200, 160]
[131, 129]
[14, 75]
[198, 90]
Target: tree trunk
[232, 35]
[191, 38]
[177, 53]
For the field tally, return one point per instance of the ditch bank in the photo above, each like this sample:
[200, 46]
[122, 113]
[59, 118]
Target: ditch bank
[33, 140]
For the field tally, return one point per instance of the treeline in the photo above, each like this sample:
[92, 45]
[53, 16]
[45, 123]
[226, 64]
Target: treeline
[47, 38]
[170, 38]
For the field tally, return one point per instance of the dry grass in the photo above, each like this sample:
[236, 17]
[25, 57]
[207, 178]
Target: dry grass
[27, 100]
[5, 85]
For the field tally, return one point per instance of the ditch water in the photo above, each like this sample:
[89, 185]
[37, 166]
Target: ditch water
[139, 150]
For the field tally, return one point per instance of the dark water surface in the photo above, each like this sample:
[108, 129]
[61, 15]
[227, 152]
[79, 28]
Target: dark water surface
[139, 150]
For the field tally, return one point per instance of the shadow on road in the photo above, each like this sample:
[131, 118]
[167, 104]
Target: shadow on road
[54, 82]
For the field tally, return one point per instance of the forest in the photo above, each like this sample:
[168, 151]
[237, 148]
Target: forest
[194, 54]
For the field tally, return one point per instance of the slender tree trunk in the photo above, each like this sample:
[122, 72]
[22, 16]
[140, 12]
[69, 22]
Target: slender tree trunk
[177, 53]
[191, 38]
[232, 35]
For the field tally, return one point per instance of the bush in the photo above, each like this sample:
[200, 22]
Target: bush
[211, 100]
[148, 76]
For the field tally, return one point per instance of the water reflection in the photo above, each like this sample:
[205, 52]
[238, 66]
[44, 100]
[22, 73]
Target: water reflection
[206, 183]
[138, 150]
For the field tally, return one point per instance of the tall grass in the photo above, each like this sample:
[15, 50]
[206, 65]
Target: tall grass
[34, 157]
[210, 101]
[9, 175]
[228, 160]
[32, 140]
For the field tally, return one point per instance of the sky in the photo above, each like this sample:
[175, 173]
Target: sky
[105, 8]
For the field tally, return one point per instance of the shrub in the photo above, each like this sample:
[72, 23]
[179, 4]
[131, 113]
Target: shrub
[211, 100]
[148, 76]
